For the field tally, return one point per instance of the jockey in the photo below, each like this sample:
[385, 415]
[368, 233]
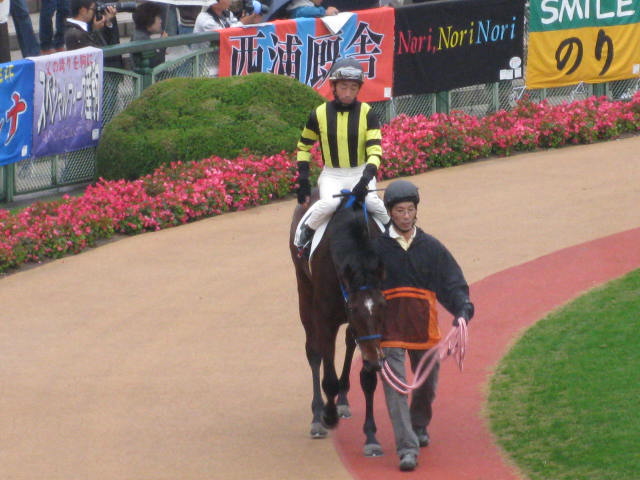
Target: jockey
[419, 271]
[349, 135]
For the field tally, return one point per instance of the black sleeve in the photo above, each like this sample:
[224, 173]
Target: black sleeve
[372, 120]
[452, 288]
[111, 34]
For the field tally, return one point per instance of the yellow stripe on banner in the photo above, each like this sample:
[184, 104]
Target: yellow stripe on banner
[543, 70]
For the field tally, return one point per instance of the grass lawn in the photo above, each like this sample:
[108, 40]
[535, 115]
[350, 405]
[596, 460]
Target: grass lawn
[565, 402]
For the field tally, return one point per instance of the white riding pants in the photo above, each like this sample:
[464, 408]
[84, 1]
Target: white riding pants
[330, 182]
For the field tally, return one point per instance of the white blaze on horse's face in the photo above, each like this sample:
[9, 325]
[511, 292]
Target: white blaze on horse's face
[368, 303]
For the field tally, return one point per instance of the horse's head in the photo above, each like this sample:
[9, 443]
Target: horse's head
[365, 308]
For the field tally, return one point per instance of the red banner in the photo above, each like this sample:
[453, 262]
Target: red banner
[305, 49]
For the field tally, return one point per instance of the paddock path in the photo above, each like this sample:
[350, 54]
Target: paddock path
[178, 354]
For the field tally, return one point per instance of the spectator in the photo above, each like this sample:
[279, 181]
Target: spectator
[51, 42]
[86, 29]
[215, 15]
[309, 8]
[147, 19]
[27, 40]
[187, 18]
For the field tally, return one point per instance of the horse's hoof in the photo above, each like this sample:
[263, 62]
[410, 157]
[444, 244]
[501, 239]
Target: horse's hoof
[318, 431]
[344, 411]
[373, 450]
[331, 421]
[330, 417]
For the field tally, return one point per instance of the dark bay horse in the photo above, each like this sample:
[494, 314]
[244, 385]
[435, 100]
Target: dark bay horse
[342, 285]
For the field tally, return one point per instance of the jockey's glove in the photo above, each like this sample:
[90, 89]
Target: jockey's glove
[304, 187]
[360, 189]
[304, 190]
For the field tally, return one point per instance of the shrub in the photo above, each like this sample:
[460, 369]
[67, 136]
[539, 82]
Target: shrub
[184, 119]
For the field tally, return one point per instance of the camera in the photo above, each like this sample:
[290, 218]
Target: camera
[119, 6]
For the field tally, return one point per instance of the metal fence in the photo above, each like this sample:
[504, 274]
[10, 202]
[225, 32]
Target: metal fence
[52, 174]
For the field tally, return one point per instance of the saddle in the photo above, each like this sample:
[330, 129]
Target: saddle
[317, 237]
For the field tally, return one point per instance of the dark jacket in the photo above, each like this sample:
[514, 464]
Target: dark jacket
[415, 280]
[75, 37]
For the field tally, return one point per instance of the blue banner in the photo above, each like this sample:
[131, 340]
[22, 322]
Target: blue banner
[16, 110]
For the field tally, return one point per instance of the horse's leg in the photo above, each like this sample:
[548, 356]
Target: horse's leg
[368, 382]
[344, 411]
[317, 404]
[330, 386]
[305, 296]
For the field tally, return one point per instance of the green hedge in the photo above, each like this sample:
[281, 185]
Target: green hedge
[194, 118]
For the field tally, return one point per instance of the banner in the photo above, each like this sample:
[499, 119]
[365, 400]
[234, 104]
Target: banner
[573, 41]
[455, 43]
[67, 99]
[305, 49]
[16, 110]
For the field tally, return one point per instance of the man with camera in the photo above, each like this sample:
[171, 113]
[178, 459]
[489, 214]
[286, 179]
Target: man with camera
[92, 24]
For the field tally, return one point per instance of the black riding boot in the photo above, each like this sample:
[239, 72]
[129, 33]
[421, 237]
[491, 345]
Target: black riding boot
[306, 236]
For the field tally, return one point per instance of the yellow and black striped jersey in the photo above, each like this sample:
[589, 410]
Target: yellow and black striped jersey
[349, 136]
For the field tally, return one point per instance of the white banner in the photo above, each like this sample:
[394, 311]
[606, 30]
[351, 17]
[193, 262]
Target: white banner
[67, 99]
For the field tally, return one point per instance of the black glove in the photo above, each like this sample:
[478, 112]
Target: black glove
[360, 189]
[304, 189]
[466, 312]
[456, 323]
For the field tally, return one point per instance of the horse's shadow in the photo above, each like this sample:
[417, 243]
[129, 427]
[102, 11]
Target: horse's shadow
[341, 284]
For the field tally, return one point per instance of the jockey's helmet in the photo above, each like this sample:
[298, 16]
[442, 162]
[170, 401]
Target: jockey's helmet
[347, 69]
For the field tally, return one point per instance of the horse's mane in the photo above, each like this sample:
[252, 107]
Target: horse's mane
[352, 249]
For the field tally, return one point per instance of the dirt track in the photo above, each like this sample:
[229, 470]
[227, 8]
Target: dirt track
[179, 354]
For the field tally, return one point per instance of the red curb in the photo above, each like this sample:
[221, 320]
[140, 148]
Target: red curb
[506, 303]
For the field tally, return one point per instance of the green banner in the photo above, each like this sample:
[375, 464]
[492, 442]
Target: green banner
[551, 15]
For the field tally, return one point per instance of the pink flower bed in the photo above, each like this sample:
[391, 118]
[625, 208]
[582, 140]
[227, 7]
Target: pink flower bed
[184, 192]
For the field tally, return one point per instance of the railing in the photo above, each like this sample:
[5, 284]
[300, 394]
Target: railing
[53, 174]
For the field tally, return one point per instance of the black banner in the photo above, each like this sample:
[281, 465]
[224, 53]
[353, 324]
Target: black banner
[455, 43]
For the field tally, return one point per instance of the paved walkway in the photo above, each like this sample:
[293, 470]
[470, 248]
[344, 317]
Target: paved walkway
[179, 354]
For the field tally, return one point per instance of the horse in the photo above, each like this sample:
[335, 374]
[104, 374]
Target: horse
[341, 284]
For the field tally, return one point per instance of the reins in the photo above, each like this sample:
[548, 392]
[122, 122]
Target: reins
[454, 345]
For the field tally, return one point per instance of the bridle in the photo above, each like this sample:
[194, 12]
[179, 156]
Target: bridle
[345, 295]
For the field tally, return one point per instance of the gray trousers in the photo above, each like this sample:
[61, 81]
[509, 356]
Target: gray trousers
[406, 418]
